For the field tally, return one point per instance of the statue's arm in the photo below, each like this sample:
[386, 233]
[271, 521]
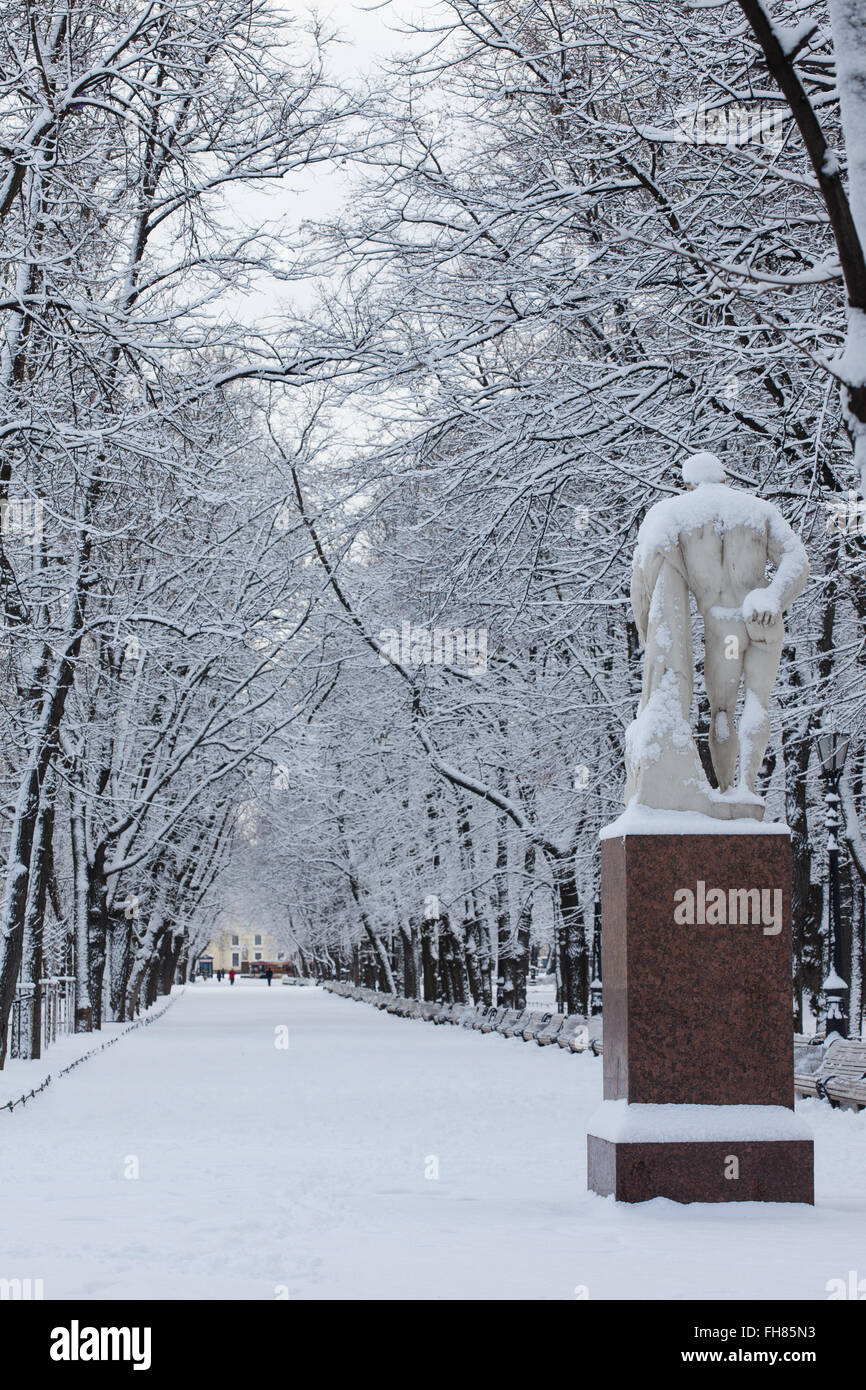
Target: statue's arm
[788, 554]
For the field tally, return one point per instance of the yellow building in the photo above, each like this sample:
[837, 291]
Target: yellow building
[245, 950]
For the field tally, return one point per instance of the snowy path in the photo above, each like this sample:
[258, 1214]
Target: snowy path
[303, 1170]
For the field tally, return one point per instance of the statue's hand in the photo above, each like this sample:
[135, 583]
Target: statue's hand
[763, 616]
[761, 607]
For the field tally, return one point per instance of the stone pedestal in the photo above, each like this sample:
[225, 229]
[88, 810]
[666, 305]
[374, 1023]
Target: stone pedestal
[698, 1036]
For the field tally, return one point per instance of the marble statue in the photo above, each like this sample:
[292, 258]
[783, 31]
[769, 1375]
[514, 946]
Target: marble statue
[714, 543]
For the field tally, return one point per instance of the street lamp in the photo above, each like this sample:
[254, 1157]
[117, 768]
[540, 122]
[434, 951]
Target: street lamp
[833, 750]
[595, 990]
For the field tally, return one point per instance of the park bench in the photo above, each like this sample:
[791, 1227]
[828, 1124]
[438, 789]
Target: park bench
[550, 1030]
[534, 1025]
[509, 1018]
[493, 1019]
[482, 1014]
[446, 1013]
[579, 1034]
[517, 1025]
[474, 1016]
[840, 1077]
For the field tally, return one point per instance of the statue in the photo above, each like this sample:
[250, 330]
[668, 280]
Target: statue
[713, 542]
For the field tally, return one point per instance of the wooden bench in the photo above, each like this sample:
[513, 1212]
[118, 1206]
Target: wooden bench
[550, 1031]
[841, 1076]
[482, 1013]
[579, 1034]
[534, 1025]
[476, 1015]
[454, 1013]
[513, 1027]
[493, 1019]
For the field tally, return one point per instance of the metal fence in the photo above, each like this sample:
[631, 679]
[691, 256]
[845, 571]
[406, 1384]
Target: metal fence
[58, 1013]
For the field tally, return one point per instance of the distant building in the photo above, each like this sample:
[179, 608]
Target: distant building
[248, 951]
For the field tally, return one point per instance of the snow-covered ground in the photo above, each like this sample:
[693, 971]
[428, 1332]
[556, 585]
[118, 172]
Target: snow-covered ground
[307, 1172]
[19, 1079]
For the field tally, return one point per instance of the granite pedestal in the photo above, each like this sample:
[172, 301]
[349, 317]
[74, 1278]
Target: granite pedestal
[698, 1032]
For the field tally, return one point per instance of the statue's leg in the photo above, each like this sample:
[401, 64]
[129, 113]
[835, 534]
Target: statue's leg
[725, 642]
[759, 675]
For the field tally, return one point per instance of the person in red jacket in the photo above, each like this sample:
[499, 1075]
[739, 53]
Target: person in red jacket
[231, 977]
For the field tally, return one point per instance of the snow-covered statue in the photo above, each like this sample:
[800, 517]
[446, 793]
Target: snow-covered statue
[716, 543]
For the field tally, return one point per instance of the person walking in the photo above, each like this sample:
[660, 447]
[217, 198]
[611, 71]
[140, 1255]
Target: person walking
[231, 977]
[269, 975]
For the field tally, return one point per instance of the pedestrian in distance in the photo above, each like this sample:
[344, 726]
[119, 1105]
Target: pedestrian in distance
[231, 977]
[269, 975]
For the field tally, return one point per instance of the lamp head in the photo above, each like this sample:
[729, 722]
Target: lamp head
[832, 750]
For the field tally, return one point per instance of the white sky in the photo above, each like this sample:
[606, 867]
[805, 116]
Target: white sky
[369, 33]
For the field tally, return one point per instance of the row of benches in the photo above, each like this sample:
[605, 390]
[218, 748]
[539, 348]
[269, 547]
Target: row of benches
[835, 1071]
[569, 1031]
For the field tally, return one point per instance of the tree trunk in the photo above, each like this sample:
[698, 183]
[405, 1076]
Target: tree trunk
[573, 995]
[410, 965]
[34, 917]
[81, 893]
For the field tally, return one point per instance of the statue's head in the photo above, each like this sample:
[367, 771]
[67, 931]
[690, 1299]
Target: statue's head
[702, 468]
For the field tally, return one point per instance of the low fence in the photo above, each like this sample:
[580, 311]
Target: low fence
[153, 1014]
[569, 1031]
[58, 1013]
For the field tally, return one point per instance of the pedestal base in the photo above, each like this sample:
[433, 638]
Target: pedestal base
[762, 1170]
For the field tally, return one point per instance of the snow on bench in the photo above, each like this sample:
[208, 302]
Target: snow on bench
[840, 1077]
[573, 1032]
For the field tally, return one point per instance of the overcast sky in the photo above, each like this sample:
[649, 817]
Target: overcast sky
[370, 33]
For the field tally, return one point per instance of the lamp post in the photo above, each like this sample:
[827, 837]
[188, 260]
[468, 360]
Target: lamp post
[833, 750]
[595, 991]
